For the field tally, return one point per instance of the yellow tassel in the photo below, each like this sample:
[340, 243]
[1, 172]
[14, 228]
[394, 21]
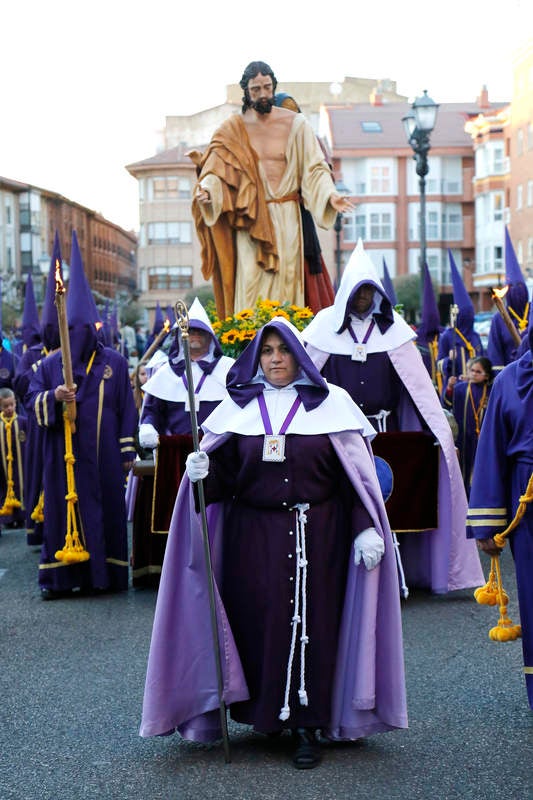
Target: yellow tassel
[11, 502]
[37, 514]
[493, 591]
[73, 551]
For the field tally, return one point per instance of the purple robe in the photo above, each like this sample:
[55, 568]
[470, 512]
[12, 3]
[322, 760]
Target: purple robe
[33, 467]
[7, 368]
[504, 465]
[104, 438]
[373, 384]
[367, 693]
[450, 340]
[466, 393]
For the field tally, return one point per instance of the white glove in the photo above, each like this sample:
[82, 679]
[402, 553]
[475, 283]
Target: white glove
[148, 436]
[197, 466]
[368, 546]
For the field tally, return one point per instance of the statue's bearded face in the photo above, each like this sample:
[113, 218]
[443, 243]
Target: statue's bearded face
[260, 91]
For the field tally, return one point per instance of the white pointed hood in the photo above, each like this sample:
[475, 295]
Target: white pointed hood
[328, 330]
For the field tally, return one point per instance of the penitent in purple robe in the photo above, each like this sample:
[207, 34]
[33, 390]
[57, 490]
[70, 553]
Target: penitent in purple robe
[367, 692]
[33, 467]
[104, 438]
[258, 564]
[467, 397]
[18, 445]
[504, 465]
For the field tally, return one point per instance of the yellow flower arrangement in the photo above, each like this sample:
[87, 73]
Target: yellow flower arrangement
[235, 332]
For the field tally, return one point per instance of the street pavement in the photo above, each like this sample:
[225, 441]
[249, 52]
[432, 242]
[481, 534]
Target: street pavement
[72, 676]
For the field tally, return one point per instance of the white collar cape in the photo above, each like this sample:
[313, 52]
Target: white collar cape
[166, 385]
[321, 334]
[336, 413]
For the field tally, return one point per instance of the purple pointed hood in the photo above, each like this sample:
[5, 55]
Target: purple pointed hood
[465, 317]
[49, 323]
[31, 327]
[240, 381]
[517, 296]
[388, 285]
[430, 321]
[158, 320]
[82, 313]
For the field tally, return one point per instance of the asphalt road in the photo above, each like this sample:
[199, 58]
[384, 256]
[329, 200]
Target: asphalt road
[72, 676]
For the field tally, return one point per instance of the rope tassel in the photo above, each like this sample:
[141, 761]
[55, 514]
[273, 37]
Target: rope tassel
[300, 601]
[11, 501]
[73, 550]
[493, 592]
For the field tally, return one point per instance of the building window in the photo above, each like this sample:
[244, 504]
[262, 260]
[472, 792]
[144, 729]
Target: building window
[498, 206]
[519, 197]
[432, 225]
[184, 188]
[167, 187]
[380, 226]
[169, 278]
[169, 233]
[530, 193]
[498, 259]
[452, 224]
[380, 180]
[354, 227]
[519, 142]
[371, 127]
[498, 161]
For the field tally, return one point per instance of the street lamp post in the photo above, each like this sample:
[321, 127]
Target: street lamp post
[419, 124]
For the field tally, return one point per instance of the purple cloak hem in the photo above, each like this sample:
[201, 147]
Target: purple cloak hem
[181, 686]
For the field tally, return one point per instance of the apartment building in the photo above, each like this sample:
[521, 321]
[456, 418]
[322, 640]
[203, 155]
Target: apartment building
[519, 149]
[169, 261]
[375, 163]
[29, 218]
[491, 177]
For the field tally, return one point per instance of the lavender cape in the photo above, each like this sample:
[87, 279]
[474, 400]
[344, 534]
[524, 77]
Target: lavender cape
[442, 559]
[181, 687]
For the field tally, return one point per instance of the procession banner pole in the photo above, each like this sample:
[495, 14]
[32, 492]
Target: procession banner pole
[163, 333]
[497, 296]
[182, 317]
[64, 342]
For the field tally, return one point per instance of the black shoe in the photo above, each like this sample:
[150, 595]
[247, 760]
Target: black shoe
[307, 755]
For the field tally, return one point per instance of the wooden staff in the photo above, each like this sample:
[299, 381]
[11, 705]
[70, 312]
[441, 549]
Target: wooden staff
[64, 342]
[497, 296]
[163, 333]
[182, 317]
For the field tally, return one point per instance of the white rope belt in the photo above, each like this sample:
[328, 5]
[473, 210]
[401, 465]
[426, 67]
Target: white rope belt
[300, 600]
[381, 419]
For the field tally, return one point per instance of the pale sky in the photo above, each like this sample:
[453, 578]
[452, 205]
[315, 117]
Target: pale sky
[86, 87]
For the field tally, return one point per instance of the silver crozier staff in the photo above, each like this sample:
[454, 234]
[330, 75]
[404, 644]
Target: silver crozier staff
[182, 318]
